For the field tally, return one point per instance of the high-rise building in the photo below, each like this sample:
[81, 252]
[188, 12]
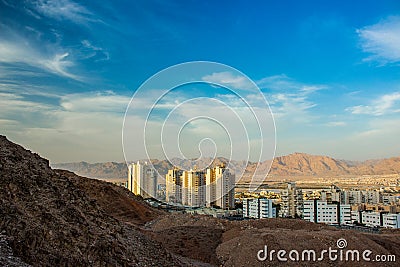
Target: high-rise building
[258, 208]
[220, 187]
[173, 180]
[142, 179]
[292, 201]
[198, 188]
[193, 188]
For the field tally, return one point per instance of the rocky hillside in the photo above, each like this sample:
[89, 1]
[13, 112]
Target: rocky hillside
[54, 218]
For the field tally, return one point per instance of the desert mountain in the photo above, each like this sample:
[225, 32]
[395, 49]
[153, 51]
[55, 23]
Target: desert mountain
[305, 164]
[296, 164]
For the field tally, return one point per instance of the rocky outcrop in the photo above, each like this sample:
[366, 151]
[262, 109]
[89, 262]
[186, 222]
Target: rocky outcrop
[52, 220]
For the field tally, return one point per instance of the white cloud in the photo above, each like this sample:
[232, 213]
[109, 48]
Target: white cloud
[106, 101]
[79, 127]
[284, 83]
[336, 124]
[386, 104]
[382, 40]
[229, 80]
[63, 10]
[14, 103]
[290, 100]
[96, 51]
[19, 50]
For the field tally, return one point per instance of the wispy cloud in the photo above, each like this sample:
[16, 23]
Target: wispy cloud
[104, 101]
[228, 79]
[64, 10]
[98, 53]
[282, 82]
[288, 97]
[382, 40]
[386, 104]
[336, 124]
[15, 49]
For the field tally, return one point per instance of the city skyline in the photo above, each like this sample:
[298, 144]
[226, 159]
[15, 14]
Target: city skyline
[330, 71]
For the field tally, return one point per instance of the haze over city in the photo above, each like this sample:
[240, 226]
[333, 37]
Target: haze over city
[329, 70]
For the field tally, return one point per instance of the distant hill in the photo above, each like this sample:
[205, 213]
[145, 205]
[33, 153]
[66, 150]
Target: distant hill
[296, 164]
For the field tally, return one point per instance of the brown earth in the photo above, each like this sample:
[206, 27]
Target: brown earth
[56, 218]
[241, 240]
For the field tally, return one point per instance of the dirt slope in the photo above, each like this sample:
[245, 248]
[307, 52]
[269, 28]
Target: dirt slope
[50, 220]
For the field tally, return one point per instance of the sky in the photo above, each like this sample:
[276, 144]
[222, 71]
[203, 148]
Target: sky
[330, 71]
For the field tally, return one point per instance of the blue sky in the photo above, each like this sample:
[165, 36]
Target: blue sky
[330, 70]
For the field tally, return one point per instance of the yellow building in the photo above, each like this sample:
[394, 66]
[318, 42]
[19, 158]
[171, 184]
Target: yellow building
[142, 179]
[220, 183]
[173, 180]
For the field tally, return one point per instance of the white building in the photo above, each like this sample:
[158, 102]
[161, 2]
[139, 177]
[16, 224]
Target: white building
[199, 188]
[258, 208]
[336, 193]
[388, 200]
[173, 190]
[355, 216]
[193, 188]
[371, 219]
[321, 212]
[372, 197]
[220, 183]
[352, 197]
[142, 179]
[391, 220]
[292, 201]
[377, 219]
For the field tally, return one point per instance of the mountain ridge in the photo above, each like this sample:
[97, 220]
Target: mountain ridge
[295, 164]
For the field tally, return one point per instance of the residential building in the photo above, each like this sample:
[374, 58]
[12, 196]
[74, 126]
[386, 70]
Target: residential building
[142, 179]
[220, 183]
[322, 212]
[377, 219]
[213, 187]
[355, 216]
[391, 220]
[371, 219]
[292, 201]
[388, 199]
[336, 193]
[352, 197]
[258, 208]
[173, 180]
[372, 197]
[193, 188]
